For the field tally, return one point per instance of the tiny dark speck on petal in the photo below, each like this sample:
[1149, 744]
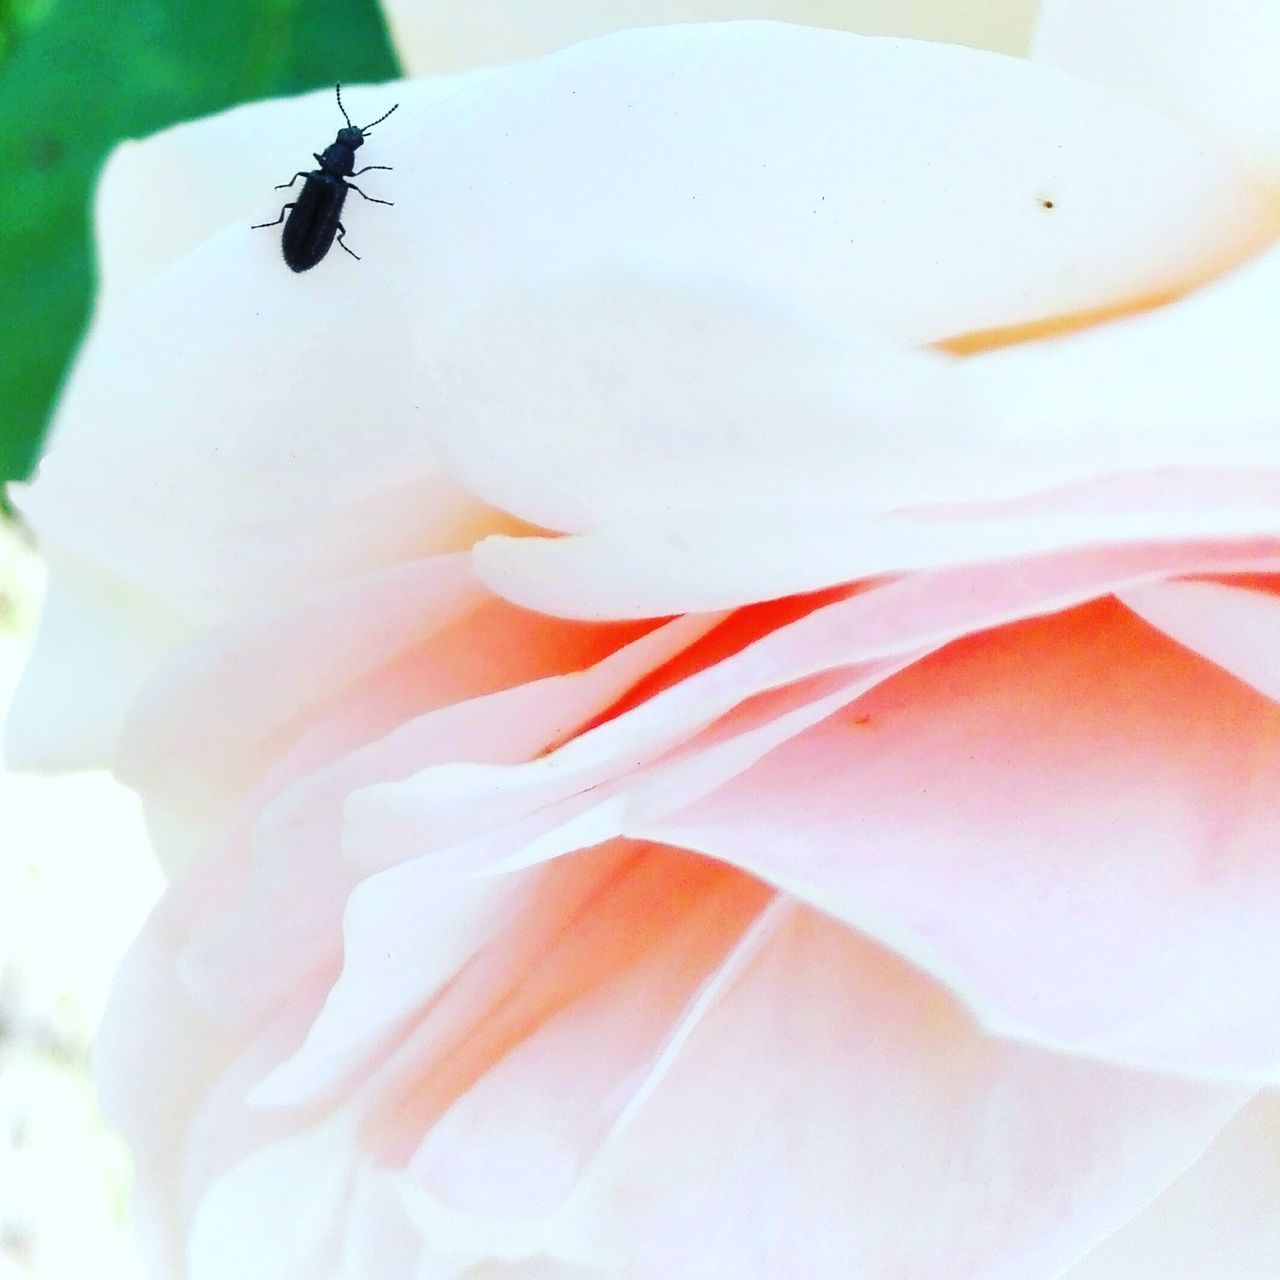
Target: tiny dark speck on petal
[1046, 202]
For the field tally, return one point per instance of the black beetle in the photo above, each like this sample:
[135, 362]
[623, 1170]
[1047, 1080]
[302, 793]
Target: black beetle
[308, 234]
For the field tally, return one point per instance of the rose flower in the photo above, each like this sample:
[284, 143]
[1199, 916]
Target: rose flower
[712, 703]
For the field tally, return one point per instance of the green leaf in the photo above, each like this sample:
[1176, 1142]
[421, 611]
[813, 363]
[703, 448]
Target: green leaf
[78, 76]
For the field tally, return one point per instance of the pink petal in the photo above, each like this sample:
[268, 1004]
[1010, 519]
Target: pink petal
[1069, 820]
[520, 1138]
[407, 943]
[878, 628]
[282, 694]
[158, 1053]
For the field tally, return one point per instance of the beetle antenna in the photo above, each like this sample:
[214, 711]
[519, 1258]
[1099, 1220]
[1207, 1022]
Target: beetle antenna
[337, 88]
[379, 120]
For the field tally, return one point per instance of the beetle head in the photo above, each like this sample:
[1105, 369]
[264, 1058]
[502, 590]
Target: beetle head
[351, 137]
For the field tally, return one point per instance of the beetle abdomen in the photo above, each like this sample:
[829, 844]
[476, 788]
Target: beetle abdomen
[313, 221]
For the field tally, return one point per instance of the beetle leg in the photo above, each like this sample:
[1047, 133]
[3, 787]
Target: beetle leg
[276, 223]
[371, 199]
[302, 173]
[342, 231]
[370, 166]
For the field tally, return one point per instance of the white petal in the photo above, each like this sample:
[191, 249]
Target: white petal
[1209, 63]
[652, 567]
[278, 1214]
[1193, 384]
[723, 331]
[274, 435]
[98, 643]
[159, 198]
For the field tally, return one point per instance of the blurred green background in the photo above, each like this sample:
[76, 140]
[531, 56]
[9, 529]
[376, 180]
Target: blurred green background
[78, 76]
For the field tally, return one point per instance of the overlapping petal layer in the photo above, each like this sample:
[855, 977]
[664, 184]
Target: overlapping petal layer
[600, 1042]
[639, 771]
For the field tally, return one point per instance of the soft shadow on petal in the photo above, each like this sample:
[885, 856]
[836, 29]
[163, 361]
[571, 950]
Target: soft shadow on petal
[658, 918]
[382, 1242]
[1070, 820]
[445, 37]
[656, 926]
[437, 983]
[1217, 1220]
[1208, 63]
